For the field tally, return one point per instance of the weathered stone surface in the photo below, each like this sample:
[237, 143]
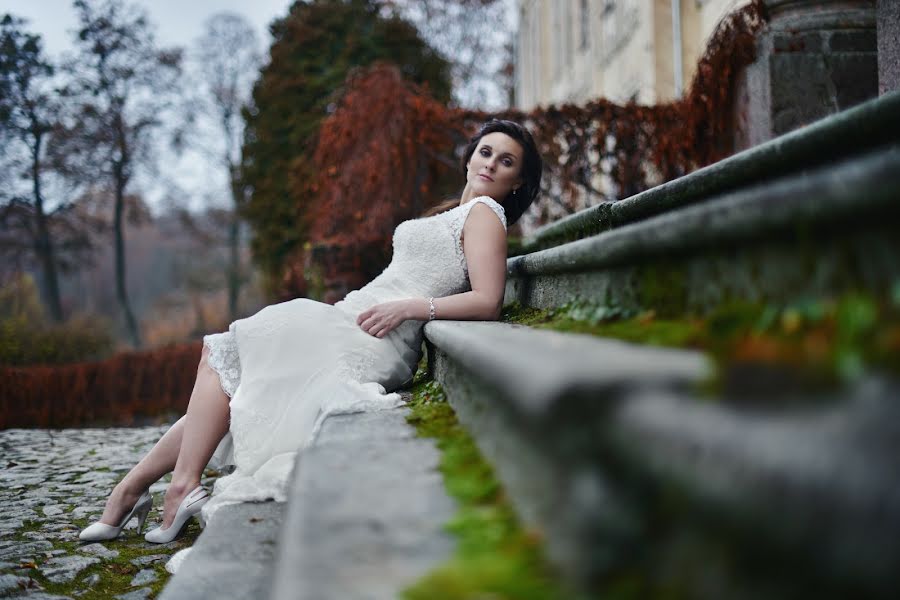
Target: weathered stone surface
[98, 549]
[817, 481]
[814, 59]
[540, 369]
[80, 512]
[143, 577]
[66, 568]
[745, 244]
[25, 549]
[51, 510]
[233, 558]
[802, 16]
[139, 594]
[143, 561]
[367, 512]
[12, 583]
[17, 512]
[820, 481]
[888, 15]
[532, 399]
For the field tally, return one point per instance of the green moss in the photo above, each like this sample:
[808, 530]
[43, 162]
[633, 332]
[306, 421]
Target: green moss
[807, 345]
[514, 246]
[663, 286]
[609, 321]
[115, 574]
[496, 557]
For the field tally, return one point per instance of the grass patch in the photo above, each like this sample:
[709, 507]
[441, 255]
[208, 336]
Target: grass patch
[496, 557]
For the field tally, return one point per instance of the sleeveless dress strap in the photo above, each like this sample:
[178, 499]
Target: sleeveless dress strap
[491, 203]
[458, 220]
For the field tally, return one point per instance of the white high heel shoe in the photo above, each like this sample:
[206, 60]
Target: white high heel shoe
[190, 506]
[98, 532]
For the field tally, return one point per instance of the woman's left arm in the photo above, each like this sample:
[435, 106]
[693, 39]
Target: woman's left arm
[484, 244]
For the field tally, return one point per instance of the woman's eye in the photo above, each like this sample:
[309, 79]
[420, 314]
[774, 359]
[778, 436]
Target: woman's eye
[485, 152]
[507, 162]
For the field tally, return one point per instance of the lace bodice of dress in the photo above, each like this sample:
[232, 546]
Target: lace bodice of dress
[428, 260]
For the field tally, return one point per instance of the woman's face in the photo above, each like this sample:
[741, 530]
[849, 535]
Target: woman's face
[495, 167]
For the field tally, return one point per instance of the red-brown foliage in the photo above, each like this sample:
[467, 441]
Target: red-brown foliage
[375, 168]
[115, 391]
[383, 153]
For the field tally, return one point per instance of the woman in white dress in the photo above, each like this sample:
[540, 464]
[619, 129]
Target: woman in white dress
[264, 387]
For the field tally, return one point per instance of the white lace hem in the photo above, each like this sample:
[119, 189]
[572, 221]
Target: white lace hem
[223, 358]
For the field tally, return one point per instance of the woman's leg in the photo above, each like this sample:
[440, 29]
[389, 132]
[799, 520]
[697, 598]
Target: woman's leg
[207, 400]
[159, 461]
[205, 424]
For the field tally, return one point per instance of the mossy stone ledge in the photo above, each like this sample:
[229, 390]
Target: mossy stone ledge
[815, 233]
[608, 452]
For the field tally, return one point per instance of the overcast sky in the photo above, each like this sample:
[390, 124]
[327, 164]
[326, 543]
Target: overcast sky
[177, 22]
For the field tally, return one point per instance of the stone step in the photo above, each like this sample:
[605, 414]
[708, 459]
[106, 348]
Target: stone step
[591, 438]
[365, 519]
[809, 233]
[821, 481]
[234, 556]
[849, 133]
[534, 401]
[366, 513]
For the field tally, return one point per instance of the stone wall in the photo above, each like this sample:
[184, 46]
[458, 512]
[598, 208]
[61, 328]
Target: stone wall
[815, 59]
[888, 45]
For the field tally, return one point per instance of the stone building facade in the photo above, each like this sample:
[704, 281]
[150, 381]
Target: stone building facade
[577, 50]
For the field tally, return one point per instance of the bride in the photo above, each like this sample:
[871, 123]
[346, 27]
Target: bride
[264, 387]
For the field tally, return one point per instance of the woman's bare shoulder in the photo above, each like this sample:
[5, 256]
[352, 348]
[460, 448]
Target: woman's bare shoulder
[484, 220]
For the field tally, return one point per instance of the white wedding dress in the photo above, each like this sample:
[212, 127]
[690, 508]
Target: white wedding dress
[291, 365]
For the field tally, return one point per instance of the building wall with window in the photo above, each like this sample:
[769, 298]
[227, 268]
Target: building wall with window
[578, 50]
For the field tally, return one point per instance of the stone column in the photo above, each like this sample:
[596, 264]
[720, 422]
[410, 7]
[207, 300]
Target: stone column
[815, 58]
[888, 46]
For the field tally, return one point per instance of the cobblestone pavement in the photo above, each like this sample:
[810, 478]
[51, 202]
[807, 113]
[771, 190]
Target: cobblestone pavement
[55, 482]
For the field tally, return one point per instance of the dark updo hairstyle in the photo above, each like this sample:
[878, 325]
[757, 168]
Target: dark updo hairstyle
[516, 202]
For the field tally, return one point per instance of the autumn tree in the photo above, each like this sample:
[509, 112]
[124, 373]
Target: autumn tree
[51, 231]
[315, 47]
[227, 57]
[383, 156]
[475, 37]
[124, 84]
[26, 112]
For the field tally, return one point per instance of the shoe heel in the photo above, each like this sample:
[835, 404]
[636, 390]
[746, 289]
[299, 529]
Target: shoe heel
[142, 517]
[190, 506]
[101, 531]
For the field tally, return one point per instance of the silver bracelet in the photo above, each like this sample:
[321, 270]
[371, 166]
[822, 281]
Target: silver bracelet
[431, 309]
